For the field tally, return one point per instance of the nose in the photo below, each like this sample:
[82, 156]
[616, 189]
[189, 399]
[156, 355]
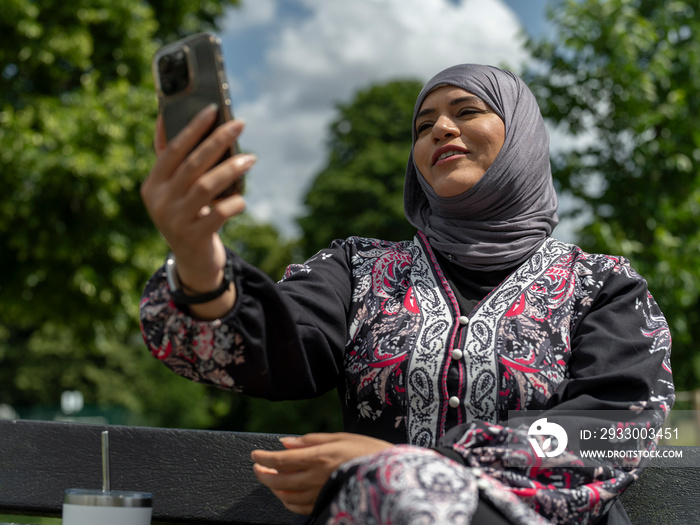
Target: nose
[443, 128]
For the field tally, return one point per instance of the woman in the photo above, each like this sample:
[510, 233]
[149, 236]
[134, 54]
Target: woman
[431, 342]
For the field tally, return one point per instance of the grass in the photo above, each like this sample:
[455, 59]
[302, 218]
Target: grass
[33, 520]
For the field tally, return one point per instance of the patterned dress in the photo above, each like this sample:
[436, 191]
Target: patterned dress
[566, 332]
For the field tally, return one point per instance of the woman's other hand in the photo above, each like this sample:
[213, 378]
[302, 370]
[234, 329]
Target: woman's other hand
[296, 475]
[180, 194]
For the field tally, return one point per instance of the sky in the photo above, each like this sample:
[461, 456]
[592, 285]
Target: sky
[289, 62]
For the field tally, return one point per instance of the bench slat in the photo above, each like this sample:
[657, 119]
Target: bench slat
[206, 477]
[195, 476]
[666, 496]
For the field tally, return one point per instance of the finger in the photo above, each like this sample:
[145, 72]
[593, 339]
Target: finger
[301, 502]
[293, 490]
[291, 496]
[286, 481]
[300, 481]
[205, 189]
[207, 154]
[304, 506]
[214, 217]
[159, 142]
[300, 509]
[307, 440]
[262, 469]
[179, 147]
[284, 460]
[297, 498]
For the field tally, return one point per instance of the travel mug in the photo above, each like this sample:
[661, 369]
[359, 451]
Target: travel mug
[113, 507]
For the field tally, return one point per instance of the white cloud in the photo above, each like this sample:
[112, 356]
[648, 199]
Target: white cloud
[253, 13]
[317, 59]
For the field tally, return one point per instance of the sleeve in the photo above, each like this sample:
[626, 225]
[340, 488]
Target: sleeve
[619, 378]
[281, 340]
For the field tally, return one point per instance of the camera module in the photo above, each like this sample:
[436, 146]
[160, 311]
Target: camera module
[174, 73]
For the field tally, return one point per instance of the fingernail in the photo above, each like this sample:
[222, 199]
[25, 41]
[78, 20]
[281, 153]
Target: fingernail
[234, 127]
[209, 110]
[245, 161]
[289, 439]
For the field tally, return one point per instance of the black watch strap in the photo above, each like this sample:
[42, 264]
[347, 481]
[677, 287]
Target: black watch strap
[181, 298]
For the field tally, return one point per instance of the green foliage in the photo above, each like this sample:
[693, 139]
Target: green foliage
[259, 244]
[321, 414]
[180, 18]
[360, 191]
[77, 111]
[625, 74]
[52, 48]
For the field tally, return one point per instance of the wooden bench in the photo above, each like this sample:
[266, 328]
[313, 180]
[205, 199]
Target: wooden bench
[205, 477]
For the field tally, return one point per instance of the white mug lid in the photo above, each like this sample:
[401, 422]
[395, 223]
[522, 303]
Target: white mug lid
[112, 498]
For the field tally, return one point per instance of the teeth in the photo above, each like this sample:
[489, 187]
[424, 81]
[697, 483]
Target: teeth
[448, 154]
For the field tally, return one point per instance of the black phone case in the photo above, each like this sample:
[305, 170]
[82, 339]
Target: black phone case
[180, 98]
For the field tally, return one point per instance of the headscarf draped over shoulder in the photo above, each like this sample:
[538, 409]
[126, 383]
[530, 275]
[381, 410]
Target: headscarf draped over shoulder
[512, 209]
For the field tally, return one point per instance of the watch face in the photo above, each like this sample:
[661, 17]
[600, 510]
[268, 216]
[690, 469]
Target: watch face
[171, 273]
[181, 298]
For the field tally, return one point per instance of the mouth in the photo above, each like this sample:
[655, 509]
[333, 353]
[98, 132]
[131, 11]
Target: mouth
[446, 152]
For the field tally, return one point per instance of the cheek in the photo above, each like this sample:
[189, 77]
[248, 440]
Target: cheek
[489, 139]
[420, 156]
[496, 137]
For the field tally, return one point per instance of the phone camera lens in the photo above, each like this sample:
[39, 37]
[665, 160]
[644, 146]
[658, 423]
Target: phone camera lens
[180, 69]
[174, 74]
[165, 64]
[166, 86]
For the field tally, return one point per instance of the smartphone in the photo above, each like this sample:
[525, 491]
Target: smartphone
[189, 75]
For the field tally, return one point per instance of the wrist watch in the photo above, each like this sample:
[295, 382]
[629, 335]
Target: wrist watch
[180, 297]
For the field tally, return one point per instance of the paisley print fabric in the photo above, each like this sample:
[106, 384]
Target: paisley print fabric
[566, 330]
[411, 486]
[416, 486]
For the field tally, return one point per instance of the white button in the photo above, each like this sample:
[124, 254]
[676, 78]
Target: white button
[463, 319]
[457, 354]
[454, 401]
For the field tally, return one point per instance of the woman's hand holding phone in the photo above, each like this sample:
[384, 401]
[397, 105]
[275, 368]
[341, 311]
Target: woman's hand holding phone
[180, 195]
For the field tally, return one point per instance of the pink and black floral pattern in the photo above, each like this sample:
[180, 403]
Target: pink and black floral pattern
[565, 331]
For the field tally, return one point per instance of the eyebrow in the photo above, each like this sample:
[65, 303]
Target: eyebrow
[451, 103]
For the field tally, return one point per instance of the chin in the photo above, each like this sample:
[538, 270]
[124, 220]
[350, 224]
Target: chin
[452, 186]
[452, 190]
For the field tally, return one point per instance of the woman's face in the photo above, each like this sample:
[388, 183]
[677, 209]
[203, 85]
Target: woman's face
[458, 138]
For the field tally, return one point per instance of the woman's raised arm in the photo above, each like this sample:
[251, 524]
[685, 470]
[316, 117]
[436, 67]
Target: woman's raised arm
[180, 196]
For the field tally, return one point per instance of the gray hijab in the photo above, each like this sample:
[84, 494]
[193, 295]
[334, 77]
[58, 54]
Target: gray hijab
[504, 218]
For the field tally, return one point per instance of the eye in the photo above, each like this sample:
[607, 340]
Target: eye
[470, 111]
[423, 126]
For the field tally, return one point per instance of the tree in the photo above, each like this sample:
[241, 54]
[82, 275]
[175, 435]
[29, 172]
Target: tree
[260, 245]
[360, 191]
[625, 76]
[77, 110]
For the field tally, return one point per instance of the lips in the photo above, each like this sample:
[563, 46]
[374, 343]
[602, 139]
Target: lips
[445, 152]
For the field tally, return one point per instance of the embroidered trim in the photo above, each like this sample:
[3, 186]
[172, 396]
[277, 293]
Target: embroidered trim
[480, 353]
[426, 361]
